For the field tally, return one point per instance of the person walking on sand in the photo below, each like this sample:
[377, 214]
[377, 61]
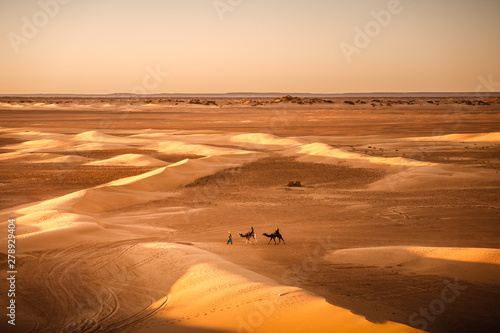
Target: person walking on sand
[252, 234]
[230, 240]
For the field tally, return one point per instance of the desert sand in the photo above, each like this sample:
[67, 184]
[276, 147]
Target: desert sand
[123, 208]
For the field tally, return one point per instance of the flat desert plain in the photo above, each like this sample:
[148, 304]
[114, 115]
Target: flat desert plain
[123, 208]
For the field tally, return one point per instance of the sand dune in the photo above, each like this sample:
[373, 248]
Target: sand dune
[32, 135]
[99, 137]
[197, 290]
[42, 230]
[149, 186]
[475, 137]
[247, 141]
[403, 174]
[472, 264]
[180, 173]
[63, 145]
[179, 147]
[67, 235]
[185, 288]
[11, 105]
[129, 191]
[109, 198]
[44, 105]
[95, 136]
[66, 219]
[67, 159]
[28, 157]
[437, 177]
[262, 140]
[223, 290]
[40, 145]
[131, 160]
[90, 238]
[323, 153]
[99, 146]
[149, 134]
[89, 201]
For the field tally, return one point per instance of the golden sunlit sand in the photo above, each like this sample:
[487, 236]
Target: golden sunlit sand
[472, 264]
[122, 225]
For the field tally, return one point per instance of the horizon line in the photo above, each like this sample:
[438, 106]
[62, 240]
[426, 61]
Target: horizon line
[261, 94]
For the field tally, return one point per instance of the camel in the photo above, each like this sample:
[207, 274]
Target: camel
[249, 236]
[274, 235]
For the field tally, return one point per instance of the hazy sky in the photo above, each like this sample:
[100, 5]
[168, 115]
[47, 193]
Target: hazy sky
[319, 46]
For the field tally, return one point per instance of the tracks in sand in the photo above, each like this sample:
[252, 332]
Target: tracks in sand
[82, 288]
